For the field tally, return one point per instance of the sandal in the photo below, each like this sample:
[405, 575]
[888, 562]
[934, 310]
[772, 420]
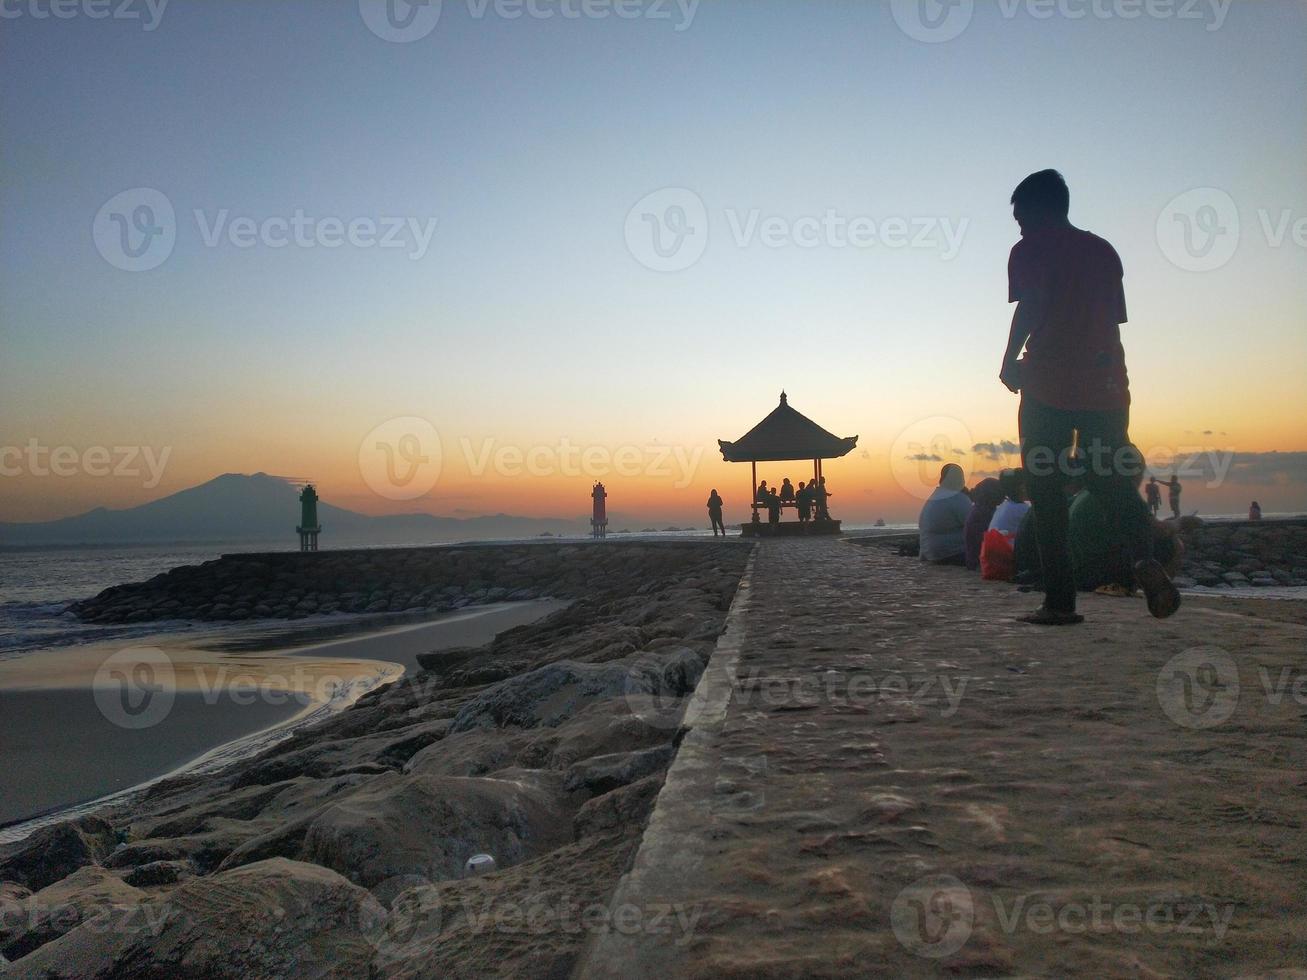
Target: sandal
[1163, 596]
[1043, 616]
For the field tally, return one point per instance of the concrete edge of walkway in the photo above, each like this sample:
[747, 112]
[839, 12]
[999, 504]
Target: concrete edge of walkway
[672, 848]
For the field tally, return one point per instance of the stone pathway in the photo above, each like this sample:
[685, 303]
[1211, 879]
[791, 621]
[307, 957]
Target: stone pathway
[888, 776]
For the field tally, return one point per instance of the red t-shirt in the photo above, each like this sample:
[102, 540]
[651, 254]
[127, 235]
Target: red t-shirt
[1074, 358]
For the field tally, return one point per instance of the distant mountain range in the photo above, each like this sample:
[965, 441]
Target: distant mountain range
[238, 507]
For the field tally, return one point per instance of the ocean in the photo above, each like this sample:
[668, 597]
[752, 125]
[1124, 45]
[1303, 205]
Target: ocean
[36, 586]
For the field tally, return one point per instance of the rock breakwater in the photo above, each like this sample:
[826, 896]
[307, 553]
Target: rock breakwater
[341, 851]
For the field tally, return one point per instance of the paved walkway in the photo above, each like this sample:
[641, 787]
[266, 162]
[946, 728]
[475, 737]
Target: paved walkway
[887, 776]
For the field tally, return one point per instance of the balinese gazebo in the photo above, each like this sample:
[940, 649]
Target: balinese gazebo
[785, 435]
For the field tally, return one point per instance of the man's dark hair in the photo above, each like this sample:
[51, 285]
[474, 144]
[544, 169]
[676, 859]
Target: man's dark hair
[1044, 191]
[947, 470]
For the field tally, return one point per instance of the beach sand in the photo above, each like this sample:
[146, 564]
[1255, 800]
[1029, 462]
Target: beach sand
[59, 749]
[62, 745]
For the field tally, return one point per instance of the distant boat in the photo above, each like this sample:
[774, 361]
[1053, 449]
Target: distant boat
[880, 522]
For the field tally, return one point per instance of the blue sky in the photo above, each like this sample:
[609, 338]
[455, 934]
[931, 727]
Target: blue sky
[528, 140]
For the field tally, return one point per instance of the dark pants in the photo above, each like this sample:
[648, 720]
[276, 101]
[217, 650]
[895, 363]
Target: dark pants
[1047, 435]
[716, 517]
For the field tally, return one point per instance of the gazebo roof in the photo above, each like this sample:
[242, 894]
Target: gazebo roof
[785, 434]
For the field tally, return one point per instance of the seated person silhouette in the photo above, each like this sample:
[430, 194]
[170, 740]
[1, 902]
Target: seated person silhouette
[985, 498]
[1012, 511]
[944, 518]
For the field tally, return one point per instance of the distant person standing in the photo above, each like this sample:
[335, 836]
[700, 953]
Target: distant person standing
[773, 507]
[1255, 511]
[1173, 495]
[715, 504]
[1153, 494]
[1067, 284]
[803, 502]
[820, 497]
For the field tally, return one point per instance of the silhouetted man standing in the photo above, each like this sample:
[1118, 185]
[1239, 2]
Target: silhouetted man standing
[1070, 303]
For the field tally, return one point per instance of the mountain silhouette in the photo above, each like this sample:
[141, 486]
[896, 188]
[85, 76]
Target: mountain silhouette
[242, 508]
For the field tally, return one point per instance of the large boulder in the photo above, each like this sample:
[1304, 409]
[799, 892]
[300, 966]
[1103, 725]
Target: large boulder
[604, 773]
[470, 753]
[549, 695]
[276, 918]
[622, 808]
[428, 826]
[613, 725]
[55, 852]
[57, 908]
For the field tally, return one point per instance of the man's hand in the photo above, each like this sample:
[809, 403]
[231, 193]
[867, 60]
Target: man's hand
[1010, 375]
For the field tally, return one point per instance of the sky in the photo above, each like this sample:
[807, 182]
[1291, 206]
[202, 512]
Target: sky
[469, 257]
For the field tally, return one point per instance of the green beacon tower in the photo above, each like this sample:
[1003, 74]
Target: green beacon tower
[309, 527]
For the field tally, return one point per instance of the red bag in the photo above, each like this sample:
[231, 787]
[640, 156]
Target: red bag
[998, 560]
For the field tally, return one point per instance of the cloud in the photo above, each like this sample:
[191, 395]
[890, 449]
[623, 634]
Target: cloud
[996, 450]
[1207, 432]
[1217, 467]
[1269, 468]
[926, 458]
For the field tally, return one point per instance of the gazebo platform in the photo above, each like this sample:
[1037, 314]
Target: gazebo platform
[788, 529]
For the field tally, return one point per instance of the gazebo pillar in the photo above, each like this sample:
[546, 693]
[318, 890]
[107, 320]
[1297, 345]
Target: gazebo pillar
[753, 491]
